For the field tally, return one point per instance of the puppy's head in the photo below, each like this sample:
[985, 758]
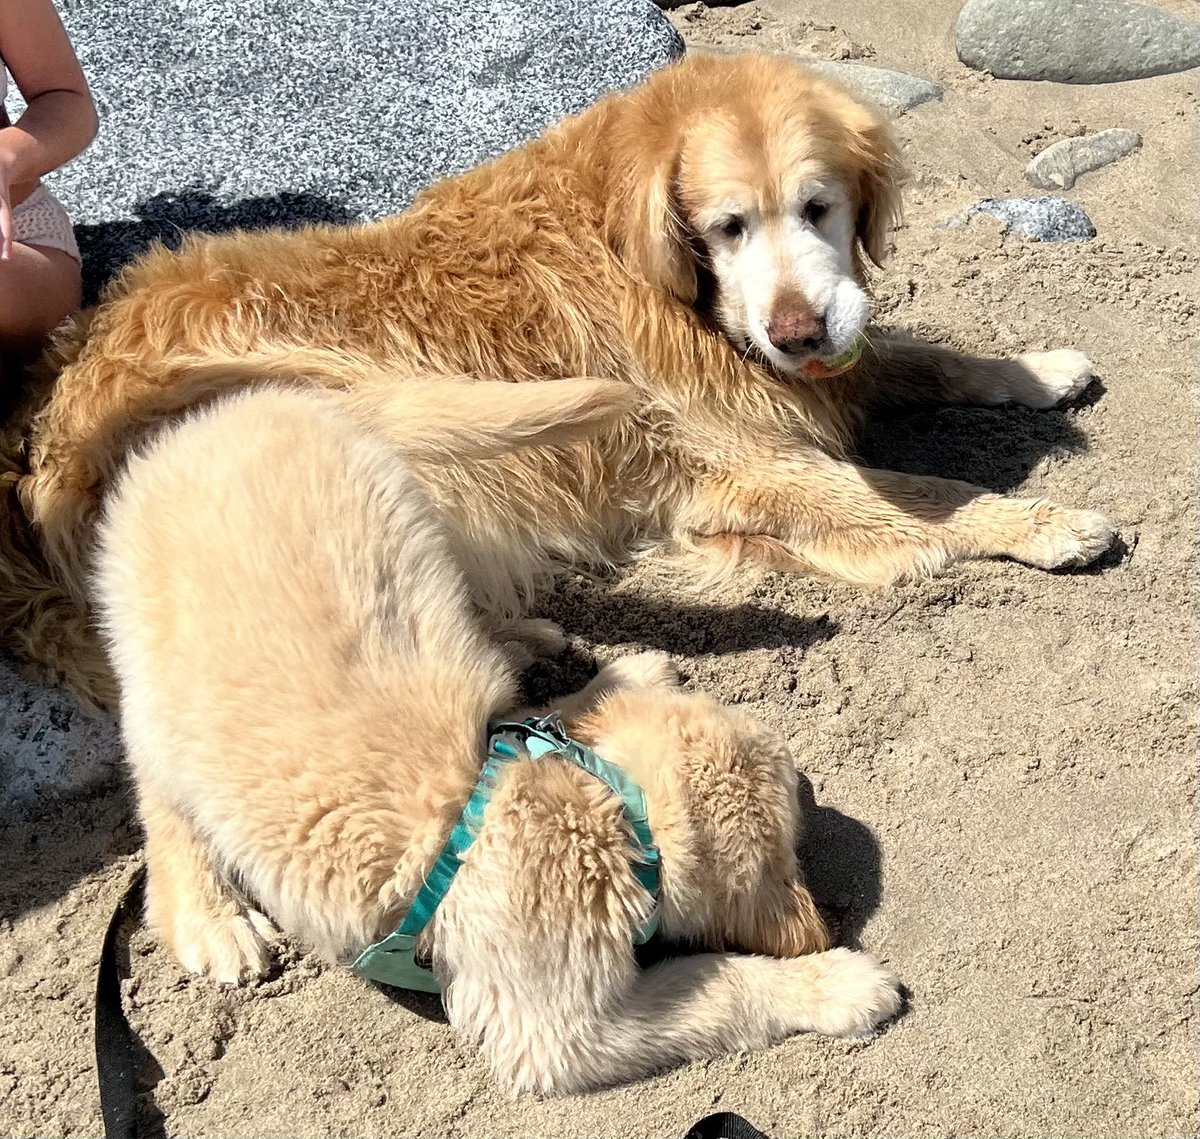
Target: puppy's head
[721, 794]
[775, 185]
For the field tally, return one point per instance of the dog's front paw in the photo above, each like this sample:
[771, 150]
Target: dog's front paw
[1060, 538]
[641, 670]
[851, 993]
[231, 944]
[1046, 379]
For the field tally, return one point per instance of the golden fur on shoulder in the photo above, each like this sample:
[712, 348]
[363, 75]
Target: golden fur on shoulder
[305, 693]
[700, 239]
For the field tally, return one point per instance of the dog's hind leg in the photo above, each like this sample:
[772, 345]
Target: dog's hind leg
[903, 371]
[527, 639]
[191, 908]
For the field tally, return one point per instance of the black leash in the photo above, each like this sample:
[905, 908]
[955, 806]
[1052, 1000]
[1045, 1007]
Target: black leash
[724, 1125]
[119, 1052]
[118, 1049]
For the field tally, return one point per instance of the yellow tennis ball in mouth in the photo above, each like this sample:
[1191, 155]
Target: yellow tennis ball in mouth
[821, 367]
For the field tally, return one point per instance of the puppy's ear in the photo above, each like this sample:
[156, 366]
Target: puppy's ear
[796, 927]
[643, 218]
[879, 176]
[784, 925]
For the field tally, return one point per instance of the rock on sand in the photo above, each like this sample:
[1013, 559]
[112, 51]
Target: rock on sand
[1095, 41]
[892, 90]
[1057, 167]
[1040, 219]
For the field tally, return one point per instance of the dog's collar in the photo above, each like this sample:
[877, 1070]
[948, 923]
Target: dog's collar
[392, 961]
[825, 367]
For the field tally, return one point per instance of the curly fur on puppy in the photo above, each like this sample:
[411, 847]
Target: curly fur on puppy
[305, 692]
[700, 238]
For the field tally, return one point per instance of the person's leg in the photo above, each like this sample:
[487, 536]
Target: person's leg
[39, 286]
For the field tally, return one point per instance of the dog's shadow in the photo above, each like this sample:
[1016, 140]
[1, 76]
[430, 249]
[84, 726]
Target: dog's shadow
[680, 628]
[994, 447]
[843, 866]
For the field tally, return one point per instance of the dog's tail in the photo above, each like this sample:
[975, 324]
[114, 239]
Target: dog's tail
[481, 419]
[428, 417]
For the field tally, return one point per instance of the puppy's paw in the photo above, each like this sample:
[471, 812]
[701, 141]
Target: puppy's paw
[851, 993]
[1045, 379]
[230, 944]
[642, 670]
[526, 640]
[1060, 538]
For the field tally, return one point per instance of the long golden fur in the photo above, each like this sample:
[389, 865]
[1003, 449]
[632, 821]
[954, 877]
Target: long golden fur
[594, 250]
[305, 693]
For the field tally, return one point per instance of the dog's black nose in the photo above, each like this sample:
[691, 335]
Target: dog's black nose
[796, 332]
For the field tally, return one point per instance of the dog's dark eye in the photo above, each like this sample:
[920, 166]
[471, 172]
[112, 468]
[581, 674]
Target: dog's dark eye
[732, 227]
[815, 211]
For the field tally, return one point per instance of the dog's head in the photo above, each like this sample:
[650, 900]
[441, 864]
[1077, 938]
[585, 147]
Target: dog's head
[752, 173]
[721, 794]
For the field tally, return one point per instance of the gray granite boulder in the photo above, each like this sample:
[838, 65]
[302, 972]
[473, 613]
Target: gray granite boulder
[1074, 41]
[1057, 167]
[892, 90]
[1041, 219]
[224, 113]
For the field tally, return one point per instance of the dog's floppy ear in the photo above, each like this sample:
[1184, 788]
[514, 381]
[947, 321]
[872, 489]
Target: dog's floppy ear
[642, 217]
[784, 925]
[879, 175]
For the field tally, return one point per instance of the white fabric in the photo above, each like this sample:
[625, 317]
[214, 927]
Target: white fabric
[41, 220]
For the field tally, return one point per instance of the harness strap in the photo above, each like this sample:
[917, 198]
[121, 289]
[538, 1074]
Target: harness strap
[393, 960]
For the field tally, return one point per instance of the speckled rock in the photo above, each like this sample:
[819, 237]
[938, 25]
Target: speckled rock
[1042, 219]
[1057, 167]
[224, 113]
[892, 90]
[49, 747]
[1069, 41]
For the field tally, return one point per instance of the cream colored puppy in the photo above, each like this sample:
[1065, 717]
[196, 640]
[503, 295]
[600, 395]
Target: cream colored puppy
[305, 694]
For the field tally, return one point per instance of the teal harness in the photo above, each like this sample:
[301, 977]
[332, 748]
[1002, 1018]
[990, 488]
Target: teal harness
[393, 961]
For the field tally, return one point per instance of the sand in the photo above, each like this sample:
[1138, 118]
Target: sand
[1004, 760]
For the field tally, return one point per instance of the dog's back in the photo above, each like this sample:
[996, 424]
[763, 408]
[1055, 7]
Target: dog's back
[303, 678]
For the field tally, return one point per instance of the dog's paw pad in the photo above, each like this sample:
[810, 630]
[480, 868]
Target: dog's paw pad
[231, 946]
[642, 670]
[1051, 378]
[852, 993]
[1063, 538]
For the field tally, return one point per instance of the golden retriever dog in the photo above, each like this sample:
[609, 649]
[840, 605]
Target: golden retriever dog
[306, 691]
[701, 238]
